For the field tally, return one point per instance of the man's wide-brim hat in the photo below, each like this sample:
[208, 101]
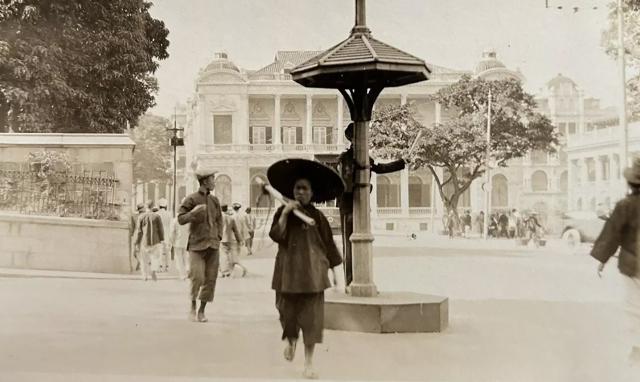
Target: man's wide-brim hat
[203, 171]
[632, 174]
[326, 184]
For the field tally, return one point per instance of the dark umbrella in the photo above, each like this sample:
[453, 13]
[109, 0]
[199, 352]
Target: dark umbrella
[325, 182]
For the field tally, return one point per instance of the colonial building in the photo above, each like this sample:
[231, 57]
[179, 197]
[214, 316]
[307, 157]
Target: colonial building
[242, 121]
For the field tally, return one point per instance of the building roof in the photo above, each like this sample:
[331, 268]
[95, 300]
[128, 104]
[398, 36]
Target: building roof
[361, 58]
[560, 79]
[287, 59]
[221, 62]
[489, 61]
[33, 139]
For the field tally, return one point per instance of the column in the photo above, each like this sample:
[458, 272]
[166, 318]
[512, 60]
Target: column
[438, 113]
[581, 121]
[339, 121]
[404, 191]
[277, 128]
[309, 125]
[403, 99]
[571, 186]
[598, 164]
[584, 172]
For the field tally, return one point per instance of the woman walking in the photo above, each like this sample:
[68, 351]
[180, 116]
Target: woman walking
[305, 252]
[621, 231]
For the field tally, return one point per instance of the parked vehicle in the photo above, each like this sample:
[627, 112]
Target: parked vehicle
[581, 227]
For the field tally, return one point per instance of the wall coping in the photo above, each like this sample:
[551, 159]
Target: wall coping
[56, 220]
[64, 140]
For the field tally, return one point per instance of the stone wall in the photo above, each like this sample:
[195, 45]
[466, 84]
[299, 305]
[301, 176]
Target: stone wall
[69, 244]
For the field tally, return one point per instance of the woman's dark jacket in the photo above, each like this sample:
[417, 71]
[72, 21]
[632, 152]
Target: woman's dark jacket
[305, 253]
[621, 230]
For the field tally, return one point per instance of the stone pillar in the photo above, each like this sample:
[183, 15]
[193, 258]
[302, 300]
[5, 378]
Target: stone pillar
[309, 125]
[362, 239]
[571, 185]
[277, 128]
[438, 113]
[598, 164]
[403, 99]
[339, 122]
[404, 191]
[582, 127]
[584, 172]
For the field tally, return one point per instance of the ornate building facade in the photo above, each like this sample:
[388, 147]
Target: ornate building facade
[241, 121]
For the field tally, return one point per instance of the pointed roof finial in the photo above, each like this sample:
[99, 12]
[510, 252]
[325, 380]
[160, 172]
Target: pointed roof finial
[361, 18]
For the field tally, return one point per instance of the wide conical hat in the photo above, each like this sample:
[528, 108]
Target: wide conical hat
[325, 182]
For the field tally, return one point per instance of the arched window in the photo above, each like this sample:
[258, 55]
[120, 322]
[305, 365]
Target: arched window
[258, 199]
[499, 191]
[539, 181]
[223, 189]
[564, 182]
[420, 190]
[388, 191]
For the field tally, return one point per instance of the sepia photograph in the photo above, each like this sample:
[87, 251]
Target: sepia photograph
[336, 190]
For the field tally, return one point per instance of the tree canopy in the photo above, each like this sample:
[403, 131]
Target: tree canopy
[77, 66]
[152, 156]
[631, 14]
[458, 145]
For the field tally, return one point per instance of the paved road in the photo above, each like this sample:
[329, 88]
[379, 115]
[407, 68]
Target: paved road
[515, 316]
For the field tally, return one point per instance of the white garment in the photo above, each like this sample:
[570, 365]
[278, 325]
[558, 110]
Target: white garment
[150, 257]
[632, 310]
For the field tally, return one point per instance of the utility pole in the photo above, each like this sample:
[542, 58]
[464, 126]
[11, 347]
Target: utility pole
[487, 184]
[624, 133]
[175, 142]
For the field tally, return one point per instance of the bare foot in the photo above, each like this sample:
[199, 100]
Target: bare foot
[290, 350]
[309, 373]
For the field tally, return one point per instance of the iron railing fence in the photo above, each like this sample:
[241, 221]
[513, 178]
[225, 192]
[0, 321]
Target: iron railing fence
[85, 194]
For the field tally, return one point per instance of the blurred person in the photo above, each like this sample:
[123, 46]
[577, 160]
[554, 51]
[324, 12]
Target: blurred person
[241, 222]
[148, 242]
[166, 224]
[466, 221]
[620, 232]
[513, 224]
[178, 239]
[251, 224]
[231, 243]
[133, 229]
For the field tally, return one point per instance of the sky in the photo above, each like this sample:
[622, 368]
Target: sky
[539, 41]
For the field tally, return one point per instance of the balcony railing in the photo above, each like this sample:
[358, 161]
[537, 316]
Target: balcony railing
[241, 148]
[419, 211]
[389, 211]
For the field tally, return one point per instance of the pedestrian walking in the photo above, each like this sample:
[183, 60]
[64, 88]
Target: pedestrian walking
[241, 222]
[178, 239]
[202, 211]
[133, 229]
[251, 224]
[621, 231]
[512, 224]
[533, 228]
[305, 252]
[348, 170]
[166, 218]
[231, 244]
[466, 221]
[148, 243]
[451, 223]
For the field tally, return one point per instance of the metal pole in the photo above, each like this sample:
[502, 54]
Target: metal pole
[174, 176]
[624, 143]
[487, 196]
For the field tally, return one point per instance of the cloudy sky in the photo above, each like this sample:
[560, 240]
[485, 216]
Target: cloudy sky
[453, 33]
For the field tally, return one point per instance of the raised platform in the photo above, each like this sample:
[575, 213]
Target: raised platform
[389, 312]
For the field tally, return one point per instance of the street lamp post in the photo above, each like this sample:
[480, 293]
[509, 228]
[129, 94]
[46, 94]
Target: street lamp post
[175, 142]
[487, 197]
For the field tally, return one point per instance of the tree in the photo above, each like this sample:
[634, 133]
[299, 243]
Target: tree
[459, 145]
[631, 38]
[77, 66]
[152, 156]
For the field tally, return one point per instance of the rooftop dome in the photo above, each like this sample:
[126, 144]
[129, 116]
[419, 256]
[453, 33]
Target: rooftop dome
[559, 80]
[221, 62]
[488, 61]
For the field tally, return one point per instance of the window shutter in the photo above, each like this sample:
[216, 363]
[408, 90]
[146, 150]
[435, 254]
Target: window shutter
[251, 134]
[268, 135]
[298, 135]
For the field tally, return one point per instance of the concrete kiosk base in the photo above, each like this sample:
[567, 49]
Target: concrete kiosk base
[388, 312]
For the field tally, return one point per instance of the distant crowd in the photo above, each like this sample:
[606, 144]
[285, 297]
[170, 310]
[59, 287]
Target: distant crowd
[502, 224]
[157, 239]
